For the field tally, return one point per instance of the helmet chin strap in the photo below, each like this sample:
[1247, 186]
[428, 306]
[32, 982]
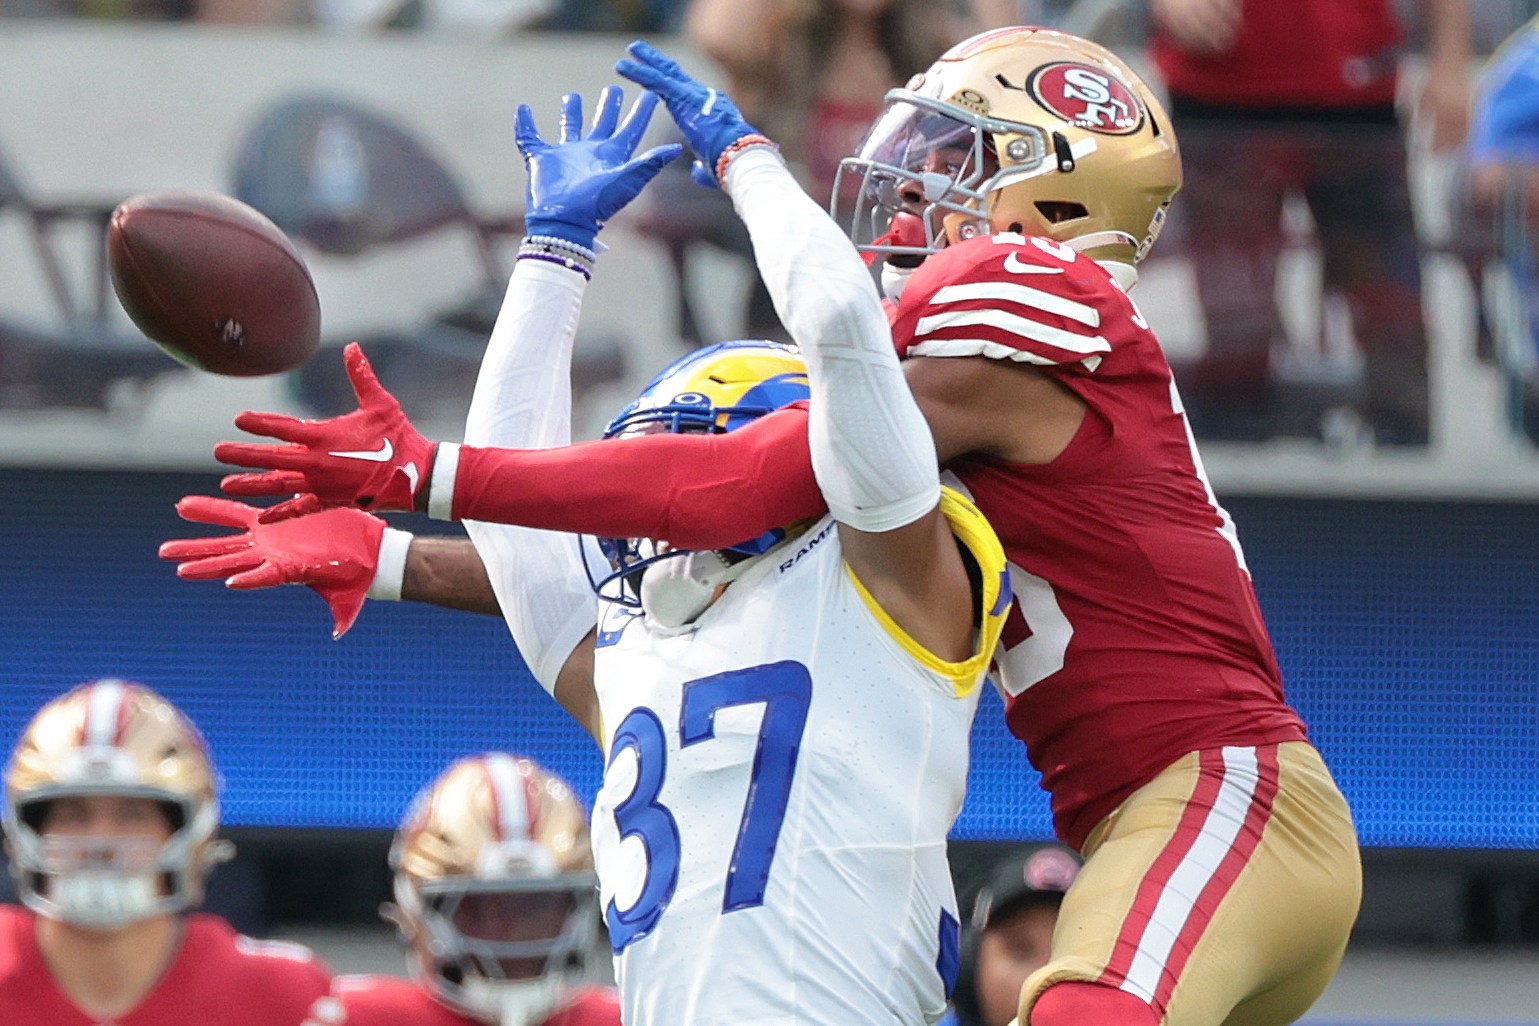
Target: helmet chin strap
[675, 591]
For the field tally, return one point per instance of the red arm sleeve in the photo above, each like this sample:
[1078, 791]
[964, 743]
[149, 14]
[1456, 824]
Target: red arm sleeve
[693, 491]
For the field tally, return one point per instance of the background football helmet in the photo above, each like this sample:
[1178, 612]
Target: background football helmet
[1024, 130]
[712, 390]
[495, 889]
[111, 737]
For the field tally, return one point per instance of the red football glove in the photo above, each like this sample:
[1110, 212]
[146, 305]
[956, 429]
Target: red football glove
[371, 458]
[335, 552]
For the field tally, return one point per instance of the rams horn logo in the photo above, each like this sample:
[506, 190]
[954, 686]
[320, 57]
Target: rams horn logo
[1086, 97]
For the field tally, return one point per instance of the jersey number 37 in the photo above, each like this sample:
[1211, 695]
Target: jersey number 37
[785, 690]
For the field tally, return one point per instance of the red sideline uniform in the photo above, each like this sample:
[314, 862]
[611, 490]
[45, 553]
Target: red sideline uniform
[218, 978]
[394, 1001]
[1298, 53]
[1137, 637]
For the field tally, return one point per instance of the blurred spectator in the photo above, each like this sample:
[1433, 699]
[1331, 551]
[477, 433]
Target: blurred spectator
[1273, 98]
[477, 18]
[811, 74]
[1503, 178]
[1010, 933]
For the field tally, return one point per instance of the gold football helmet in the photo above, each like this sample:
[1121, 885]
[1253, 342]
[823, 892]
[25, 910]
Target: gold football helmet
[111, 738]
[494, 888]
[1023, 130]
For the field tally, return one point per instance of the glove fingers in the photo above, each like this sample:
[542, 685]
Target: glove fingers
[637, 119]
[651, 55]
[607, 114]
[211, 509]
[277, 482]
[276, 425]
[289, 509]
[272, 457]
[571, 117]
[186, 549]
[346, 602]
[650, 79]
[365, 385]
[215, 567]
[703, 175]
[525, 135]
[261, 575]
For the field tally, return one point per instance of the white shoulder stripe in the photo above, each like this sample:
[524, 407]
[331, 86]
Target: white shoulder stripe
[991, 350]
[1016, 325]
[1009, 292]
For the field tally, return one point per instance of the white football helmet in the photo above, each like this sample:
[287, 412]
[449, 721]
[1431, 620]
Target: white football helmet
[1024, 130]
[495, 893]
[115, 738]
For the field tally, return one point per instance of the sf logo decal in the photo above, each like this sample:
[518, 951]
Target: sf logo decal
[1085, 96]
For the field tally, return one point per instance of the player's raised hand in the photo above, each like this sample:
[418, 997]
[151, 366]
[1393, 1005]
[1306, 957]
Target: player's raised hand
[708, 118]
[577, 183]
[371, 458]
[335, 553]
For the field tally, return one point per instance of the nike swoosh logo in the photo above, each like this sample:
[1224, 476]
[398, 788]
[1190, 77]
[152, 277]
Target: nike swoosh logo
[380, 455]
[1014, 265]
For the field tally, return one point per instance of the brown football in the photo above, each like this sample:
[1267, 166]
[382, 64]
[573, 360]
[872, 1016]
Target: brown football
[213, 282]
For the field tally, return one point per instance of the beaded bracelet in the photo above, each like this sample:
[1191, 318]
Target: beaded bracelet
[568, 255]
[745, 143]
[553, 242]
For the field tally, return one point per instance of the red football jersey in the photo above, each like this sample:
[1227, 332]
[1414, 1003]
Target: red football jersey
[218, 978]
[1302, 53]
[1137, 636]
[394, 1001]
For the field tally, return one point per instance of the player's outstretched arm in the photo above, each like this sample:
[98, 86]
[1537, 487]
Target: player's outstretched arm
[522, 397]
[871, 449]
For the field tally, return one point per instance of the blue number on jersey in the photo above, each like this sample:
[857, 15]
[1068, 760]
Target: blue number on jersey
[640, 816]
[785, 688]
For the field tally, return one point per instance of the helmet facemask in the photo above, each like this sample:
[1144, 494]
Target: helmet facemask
[503, 951]
[711, 391]
[925, 172]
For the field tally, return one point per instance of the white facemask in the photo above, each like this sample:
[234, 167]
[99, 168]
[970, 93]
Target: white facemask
[104, 899]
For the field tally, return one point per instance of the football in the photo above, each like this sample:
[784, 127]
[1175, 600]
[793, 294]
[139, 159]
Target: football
[213, 282]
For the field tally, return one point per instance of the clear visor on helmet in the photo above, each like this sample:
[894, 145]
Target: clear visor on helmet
[923, 165]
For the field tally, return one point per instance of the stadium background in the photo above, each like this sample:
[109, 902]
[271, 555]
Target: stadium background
[1400, 592]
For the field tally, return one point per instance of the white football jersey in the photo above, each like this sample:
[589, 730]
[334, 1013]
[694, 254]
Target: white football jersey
[771, 832]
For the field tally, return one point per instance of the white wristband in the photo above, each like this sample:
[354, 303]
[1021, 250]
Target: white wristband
[390, 568]
[446, 466]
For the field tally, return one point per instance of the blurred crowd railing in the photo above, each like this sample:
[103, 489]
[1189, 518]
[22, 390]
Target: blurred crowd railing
[1365, 350]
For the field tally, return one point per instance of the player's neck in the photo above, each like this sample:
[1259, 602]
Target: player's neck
[108, 973]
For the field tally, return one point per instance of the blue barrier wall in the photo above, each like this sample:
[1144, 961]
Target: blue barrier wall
[1409, 633]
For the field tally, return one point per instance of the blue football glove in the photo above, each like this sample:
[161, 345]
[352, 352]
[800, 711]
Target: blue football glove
[577, 184]
[709, 119]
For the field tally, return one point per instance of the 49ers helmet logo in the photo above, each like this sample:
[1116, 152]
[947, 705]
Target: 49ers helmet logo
[1086, 97]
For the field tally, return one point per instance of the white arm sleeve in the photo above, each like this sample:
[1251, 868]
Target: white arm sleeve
[523, 400]
[872, 450]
